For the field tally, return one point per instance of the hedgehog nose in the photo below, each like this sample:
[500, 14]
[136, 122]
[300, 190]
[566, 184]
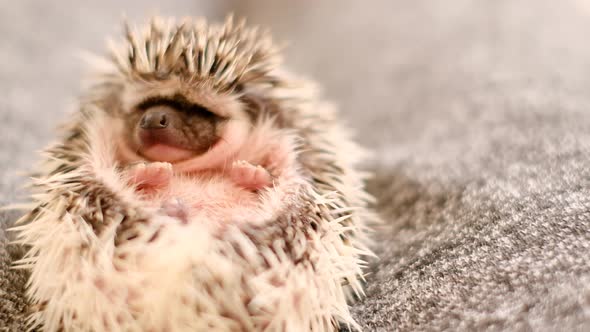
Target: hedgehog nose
[154, 120]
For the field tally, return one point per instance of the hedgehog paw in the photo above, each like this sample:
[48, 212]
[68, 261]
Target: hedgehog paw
[249, 176]
[151, 175]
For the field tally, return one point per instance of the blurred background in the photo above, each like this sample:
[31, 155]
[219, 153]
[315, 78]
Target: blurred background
[477, 112]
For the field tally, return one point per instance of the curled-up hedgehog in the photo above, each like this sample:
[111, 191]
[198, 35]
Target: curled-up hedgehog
[198, 188]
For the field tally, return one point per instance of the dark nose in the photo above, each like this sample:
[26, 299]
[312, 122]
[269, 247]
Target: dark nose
[154, 120]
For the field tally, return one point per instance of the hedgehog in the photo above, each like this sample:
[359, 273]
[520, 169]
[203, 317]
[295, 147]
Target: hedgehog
[199, 186]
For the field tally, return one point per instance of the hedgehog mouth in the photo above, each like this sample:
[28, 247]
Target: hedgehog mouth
[167, 153]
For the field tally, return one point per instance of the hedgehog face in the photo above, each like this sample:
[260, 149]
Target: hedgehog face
[183, 90]
[173, 121]
[172, 128]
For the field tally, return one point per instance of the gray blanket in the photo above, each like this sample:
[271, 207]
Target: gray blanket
[478, 114]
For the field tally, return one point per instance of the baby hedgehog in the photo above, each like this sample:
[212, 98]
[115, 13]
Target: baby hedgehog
[199, 188]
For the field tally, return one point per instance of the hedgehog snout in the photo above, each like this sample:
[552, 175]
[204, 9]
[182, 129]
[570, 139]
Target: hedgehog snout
[155, 119]
[161, 125]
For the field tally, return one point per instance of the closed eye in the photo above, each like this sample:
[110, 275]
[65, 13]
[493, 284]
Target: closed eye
[177, 102]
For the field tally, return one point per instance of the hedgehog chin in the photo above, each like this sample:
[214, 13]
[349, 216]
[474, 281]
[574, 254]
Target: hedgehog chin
[166, 153]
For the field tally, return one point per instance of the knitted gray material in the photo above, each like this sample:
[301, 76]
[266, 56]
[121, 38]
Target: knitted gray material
[478, 112]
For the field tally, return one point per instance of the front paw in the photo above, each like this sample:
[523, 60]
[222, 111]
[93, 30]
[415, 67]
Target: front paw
[249, 176]
[150, 175]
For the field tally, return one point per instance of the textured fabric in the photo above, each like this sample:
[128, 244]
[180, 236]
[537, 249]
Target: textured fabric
[478, 113]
